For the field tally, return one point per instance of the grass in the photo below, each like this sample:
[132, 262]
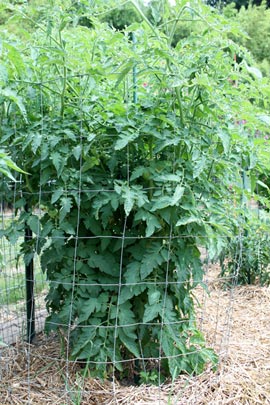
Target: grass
[12, 286]
[12, 274]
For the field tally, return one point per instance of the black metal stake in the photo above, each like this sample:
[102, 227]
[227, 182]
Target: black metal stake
[30, 299]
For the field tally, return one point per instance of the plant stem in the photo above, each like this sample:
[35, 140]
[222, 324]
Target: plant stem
[136, 5]
[178, 96]
[151, 183]
[63, 91]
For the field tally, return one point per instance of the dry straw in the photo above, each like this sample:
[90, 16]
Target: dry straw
[243, 375]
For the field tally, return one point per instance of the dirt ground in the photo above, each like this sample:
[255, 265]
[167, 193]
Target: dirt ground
[236, 324]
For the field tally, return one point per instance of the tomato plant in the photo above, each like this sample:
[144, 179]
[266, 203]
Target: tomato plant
[131, 148]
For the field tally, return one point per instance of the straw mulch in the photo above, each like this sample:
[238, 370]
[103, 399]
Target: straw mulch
[236, 323]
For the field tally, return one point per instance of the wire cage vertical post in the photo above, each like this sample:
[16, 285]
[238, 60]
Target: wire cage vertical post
[29, 280]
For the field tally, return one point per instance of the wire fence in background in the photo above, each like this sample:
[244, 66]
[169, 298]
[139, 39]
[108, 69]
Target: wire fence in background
[13, 286]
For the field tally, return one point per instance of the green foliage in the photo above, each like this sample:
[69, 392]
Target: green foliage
[12, 286]
[7, 166]
[260, 183]
[129, 189]
[149, 377]
[247, 258]
[255, 22]
[238, 4]
[121, 17]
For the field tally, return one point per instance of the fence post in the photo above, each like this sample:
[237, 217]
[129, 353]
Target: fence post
[29, 283]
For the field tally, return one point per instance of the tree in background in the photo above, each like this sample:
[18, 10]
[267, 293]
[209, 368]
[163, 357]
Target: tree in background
[255, 21]
[237, 3]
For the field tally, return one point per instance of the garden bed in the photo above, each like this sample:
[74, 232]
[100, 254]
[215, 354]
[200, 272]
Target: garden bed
[235, 323]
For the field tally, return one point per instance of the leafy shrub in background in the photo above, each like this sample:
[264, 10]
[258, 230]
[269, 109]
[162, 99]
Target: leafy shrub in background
[254, 20]
[131, 151]
[247, 258]
[261, 185]
[7, 168]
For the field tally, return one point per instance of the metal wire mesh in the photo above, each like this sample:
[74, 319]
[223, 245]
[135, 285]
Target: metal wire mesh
[13, 308]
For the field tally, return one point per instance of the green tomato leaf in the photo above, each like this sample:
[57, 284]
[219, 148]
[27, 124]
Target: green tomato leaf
[151, 312]
[188, 220]
[56, 195]
[129, 342]
[129, 201]
[34, 224]
[177, 196]
[66, 205]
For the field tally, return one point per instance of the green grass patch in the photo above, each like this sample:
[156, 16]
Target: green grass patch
[12, 286]
[12, 274]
